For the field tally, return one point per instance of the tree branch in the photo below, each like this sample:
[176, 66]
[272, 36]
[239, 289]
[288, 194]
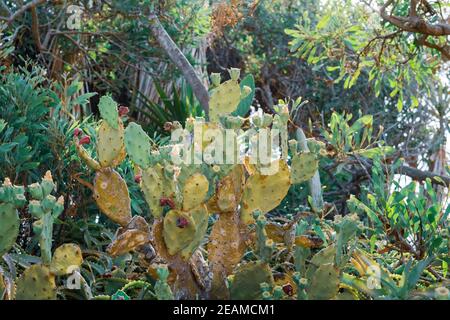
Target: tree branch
[26, 7]
[178, 58]
[414, 23]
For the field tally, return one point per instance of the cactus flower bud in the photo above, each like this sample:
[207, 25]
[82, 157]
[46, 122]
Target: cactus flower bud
[77, 132]
[123, 111]
[85, 140]
[215, 79]
[234, 73]
[182, 222]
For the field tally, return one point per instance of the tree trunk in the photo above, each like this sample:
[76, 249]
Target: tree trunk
[178, 58]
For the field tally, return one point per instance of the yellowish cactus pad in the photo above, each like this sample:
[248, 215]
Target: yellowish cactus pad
[194, 191]
[110, 144]
[112, 197]
[36, 283]
[265, 192]
[66, 259]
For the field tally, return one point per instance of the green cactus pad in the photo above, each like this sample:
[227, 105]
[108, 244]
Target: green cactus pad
[179, 231]
[9, 227]
[200, 217]
[36, 283]
[303, 167]
[245, 103]
[66, 259]
[137, 144]
[265, 192]
[156, 185]
[195, 190]
[108, 111]
[324, 283]
[224, 99]
[324, 256]
[247, 281]
[112, 197]
[110, 144]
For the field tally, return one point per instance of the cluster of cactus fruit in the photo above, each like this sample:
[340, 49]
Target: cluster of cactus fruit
[186, 200]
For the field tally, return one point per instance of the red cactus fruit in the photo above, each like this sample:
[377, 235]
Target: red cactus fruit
[288, 289]
[77, 132]
[85, 140]
[123, 111]
[167, 202]
[182, 222]
[138, 178]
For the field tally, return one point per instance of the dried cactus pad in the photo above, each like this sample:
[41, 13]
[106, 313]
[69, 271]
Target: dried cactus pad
[179, 231]
[9, 227]
[36, 283]
[110, 144]
[66, 259]
[224, 99]
[137, 144]
[229, 190]
[194, 191]
[108, 111]
[303, 167]
[128, 241]
[111, 195]
[265, 192]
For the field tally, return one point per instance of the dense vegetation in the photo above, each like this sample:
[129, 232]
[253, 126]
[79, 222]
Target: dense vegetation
[93, 205]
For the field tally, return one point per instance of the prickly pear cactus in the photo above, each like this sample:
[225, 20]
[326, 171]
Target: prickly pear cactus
[303, 167]
[112, 197]
[156, 186]
[246, 283]
[183, 231]
[36, 283]
[46, 208]
[265, 192]
[11, 197]
[324, 283]
[137, 144]
[108, 111]
[195, 191]
[226, 97]
[162, 289]
[66, 259]
[110, 144]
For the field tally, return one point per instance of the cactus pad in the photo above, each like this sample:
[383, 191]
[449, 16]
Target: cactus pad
[156, 185]
[265, 192]
[200, 217]
[303, 167]
[225, 249]
[179, 231]
[229, 190]
[137, 144]
[9, 227]
[247, 280]
[110, 144]
[128, 241]
[324, 283]
[195, 190]
[224, 99]
[112, 197]
[36, 283]
[108, 111]
[66, 259]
